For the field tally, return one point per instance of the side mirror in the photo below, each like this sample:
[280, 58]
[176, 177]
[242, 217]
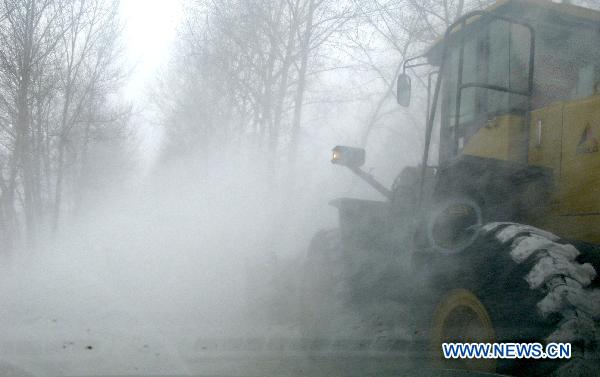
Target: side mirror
[348, 156]
[403, 90]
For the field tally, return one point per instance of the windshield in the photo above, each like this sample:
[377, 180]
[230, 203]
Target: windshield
[566, 68]
[497, 54]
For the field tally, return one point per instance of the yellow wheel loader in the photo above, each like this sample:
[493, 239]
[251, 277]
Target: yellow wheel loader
[498, 240]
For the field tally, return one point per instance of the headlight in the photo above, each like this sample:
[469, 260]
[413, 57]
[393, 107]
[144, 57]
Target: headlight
[348, 156]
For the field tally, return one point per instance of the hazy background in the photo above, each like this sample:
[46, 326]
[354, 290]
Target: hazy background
[164, 164]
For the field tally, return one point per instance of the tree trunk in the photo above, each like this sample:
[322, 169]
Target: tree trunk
[58, 186]
[283, 83]
[23, 142]
[305, 50]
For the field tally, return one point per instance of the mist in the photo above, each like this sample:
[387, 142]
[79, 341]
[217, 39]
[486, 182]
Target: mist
[165, 172]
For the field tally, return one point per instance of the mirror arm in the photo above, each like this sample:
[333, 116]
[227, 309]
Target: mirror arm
[406, 65]
[372, 182]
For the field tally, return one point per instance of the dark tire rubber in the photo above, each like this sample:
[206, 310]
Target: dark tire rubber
[534, 289]
[323, 286]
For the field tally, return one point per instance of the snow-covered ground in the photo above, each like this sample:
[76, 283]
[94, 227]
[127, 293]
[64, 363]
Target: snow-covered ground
[133, 285]
[66, 316]
[151, 279]
[58, 319]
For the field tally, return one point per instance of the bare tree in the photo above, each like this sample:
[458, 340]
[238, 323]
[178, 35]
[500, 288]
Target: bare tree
[252, 59]
[405, 28]
[87, 69]
[59, 62]
[28, 35]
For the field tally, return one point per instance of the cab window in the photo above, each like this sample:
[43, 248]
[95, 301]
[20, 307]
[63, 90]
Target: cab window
[567, 64]
[498, 54]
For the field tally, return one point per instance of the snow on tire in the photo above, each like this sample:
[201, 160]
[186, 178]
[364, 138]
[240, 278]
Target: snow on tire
[565, 285]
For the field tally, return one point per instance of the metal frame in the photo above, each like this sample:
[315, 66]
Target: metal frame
[430, 75]
[462, 22]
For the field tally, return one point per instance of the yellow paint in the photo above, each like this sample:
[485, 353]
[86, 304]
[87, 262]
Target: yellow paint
[501, 139]
[569, 145]
[583, 228]
[579, 187]
[564, 137]
[545, 136]
[452, 308]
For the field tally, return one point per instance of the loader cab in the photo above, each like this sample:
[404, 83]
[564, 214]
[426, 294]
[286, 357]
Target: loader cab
[517, 103]
[500, 66]
[497, 54]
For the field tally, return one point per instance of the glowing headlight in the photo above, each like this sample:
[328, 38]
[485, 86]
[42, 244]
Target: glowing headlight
[348, 156]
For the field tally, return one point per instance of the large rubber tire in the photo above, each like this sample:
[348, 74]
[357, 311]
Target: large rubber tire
[361, 309]
[324, 287]
[521, 284]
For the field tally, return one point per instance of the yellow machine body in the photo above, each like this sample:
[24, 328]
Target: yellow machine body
[563, 134]
[501, 138]
[564, 137]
